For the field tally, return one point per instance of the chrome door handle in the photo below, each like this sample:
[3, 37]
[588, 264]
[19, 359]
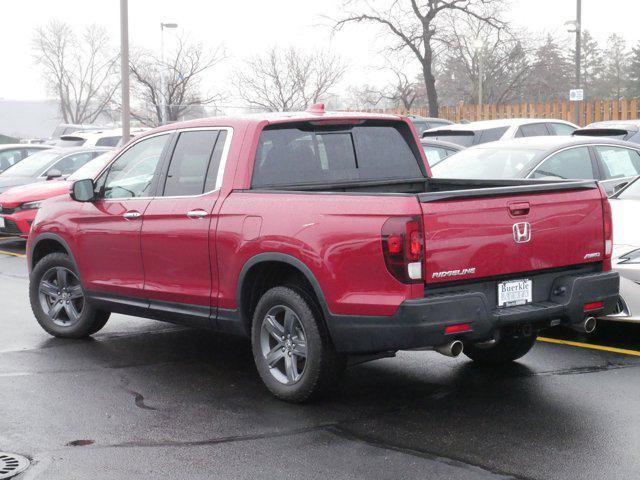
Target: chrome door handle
[132, 215]
[196, 214]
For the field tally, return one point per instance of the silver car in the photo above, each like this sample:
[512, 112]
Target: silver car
[625, 206]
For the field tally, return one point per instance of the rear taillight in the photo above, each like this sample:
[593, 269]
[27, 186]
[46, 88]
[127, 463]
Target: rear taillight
[607, 230]
[402, 248]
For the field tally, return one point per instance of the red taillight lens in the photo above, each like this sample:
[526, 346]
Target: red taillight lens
[593, 306]
[402, 248]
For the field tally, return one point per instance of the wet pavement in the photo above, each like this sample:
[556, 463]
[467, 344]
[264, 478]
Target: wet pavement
[143, 399]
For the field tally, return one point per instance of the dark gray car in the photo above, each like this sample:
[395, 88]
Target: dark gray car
[628, 130]
[46, 165]
[612, 162]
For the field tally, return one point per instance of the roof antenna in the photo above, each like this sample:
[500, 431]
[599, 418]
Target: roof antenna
[316, 108]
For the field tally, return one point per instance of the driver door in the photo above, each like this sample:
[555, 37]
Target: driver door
[108, 238]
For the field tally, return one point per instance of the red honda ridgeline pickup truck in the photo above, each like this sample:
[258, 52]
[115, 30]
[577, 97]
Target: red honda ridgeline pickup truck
[323, 238]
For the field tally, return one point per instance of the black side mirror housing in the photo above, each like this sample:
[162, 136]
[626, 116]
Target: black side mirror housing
[53, 173]
[83, 190]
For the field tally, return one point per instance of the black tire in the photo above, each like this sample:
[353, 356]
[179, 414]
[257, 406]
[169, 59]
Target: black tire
[322, 365]
[89, 319]
[506, 350]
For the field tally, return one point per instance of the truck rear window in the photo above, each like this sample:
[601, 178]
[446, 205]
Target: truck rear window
[303, 154]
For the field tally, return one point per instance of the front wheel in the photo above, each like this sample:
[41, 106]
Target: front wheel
[505, 350]
[58, 301]
[291, 348]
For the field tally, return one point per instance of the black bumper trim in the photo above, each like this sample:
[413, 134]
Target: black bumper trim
[420, 323]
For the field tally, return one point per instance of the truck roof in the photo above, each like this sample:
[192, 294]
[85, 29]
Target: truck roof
[313, 113]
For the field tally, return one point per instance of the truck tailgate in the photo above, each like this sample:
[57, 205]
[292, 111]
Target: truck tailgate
[484, 236]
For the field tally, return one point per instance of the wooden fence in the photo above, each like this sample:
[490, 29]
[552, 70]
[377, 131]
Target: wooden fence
[590, 110]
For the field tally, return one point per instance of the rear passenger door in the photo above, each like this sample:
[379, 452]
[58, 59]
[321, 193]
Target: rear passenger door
[179, 276]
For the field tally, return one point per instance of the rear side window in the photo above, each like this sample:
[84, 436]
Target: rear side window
[189, 163]
[573, 163]
[533, 130]
[108, 141]
[618, 162]
[308, 154]
[491, 135]
[561, 128]
[436, 154]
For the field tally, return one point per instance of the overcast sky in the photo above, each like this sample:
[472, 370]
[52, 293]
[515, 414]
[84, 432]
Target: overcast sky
[247, 27]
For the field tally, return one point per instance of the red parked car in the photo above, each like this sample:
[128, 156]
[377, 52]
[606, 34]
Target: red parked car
[323, 238]
[19, 205]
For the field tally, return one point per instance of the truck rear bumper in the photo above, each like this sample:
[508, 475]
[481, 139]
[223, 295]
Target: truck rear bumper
[421, 323]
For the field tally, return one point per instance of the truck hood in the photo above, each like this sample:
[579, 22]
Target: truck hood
[33, 192]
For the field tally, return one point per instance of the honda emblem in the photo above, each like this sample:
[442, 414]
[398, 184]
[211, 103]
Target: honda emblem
[521, 232]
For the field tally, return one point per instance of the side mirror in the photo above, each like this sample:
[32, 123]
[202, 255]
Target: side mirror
[620, 186]
[83, 190]
[53, 173]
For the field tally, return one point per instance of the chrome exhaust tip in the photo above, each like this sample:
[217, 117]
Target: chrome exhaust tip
[588, 325]
[451, 349]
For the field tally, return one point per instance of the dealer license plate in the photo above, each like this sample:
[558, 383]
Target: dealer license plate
[515, 292]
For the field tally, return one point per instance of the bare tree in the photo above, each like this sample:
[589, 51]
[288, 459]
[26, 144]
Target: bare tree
[504, 57]
[285, 80]
[181, 92]
[81, 70]
[417, 25]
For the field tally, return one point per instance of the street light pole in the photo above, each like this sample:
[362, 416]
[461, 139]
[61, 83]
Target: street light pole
[578, 53]
[163, 99]
[478, 45]
[124, 69]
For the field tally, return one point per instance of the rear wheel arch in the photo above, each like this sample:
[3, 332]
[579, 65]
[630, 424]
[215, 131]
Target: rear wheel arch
[266, 270]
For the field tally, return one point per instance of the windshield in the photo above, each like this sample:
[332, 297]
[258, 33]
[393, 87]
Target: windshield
[489, 163]
[91, 169]
[32, 166]
[632, 192]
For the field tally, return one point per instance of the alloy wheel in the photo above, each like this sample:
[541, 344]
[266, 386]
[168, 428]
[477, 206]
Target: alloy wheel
[283, 344]
[61, 296]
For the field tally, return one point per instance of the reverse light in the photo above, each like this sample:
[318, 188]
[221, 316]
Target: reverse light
[402, 248]
[593, 306]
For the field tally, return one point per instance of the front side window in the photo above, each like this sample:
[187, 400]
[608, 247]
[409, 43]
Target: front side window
[573, 163]
[618, 162]
[189, 163]
[308, 154]
[131, 174]
[71, 163]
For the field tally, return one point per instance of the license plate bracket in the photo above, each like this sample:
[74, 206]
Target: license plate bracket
[515, 292]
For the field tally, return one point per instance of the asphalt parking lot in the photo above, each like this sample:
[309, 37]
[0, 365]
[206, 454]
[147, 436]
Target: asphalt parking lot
[143, 399]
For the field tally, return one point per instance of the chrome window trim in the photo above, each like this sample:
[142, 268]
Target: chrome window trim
[221, 167]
